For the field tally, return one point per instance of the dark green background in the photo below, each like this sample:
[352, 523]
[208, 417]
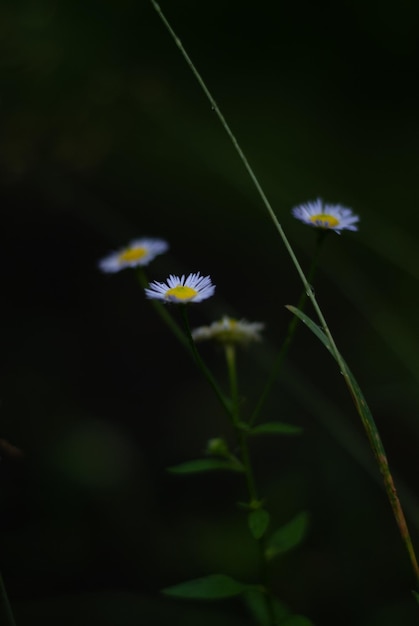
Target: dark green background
[106, 137]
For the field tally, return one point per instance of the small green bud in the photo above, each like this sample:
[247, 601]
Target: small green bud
[218, 447]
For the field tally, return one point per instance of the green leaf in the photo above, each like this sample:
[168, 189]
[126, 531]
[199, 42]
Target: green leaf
[257, 605]
[311, 325]
[258, 522]
[288, 537]
[357, 395]
[214, 587]
[416, 595]
[275, 428]
[204, 465]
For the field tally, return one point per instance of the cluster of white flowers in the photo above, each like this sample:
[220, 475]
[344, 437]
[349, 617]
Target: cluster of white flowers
[195, 288]
[140, 252]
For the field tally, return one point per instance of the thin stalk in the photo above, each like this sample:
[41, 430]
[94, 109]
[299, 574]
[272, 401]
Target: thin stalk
[292, 327]
[248, 470]
[371, 429]
[244, 455]
[270, 604]
[161, 310]
[6, 614]
[204, 369]
[230, 352]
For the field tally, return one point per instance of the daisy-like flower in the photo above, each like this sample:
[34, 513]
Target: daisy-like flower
[137, 252]
[229, 330]
[193, 288]
[327, 216]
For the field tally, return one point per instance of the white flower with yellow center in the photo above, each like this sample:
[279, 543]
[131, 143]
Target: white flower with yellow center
[193, 288]
[229, 330]
[137, 252]
[327, 216]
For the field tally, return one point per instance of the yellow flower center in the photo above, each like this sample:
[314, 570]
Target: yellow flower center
[132, 254]
[323, 220]
[181, 292]
[227, 331]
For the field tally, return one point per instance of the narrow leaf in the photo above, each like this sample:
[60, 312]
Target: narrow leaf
[416, 595]
[275, 428]
[258, 522]
[358, 396]
[204, 465]
[212, 587]
[311, 325]
[288, 537]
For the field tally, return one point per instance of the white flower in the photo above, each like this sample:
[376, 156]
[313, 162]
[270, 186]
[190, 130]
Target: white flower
[137, 252]
[194, 288]
[229, 330]
[327, 216]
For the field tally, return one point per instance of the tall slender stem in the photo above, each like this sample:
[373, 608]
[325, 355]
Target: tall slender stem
[292, 327]
[245, 459]
[204, 369]
[230, 352]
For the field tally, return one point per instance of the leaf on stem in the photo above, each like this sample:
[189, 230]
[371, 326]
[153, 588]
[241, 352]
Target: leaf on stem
[275, 428]
[311, 325]
[205, 465]
[214, 587]
[358, 396]
[258, 521]
[288, 536]
[255, 600]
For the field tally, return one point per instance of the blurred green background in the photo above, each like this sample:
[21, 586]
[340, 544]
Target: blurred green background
[106, 137]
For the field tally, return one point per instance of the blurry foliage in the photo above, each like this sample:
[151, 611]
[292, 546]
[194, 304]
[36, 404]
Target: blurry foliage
[105, 136]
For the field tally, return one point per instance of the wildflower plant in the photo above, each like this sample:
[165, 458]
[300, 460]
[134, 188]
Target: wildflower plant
[231, 456]
[172, 299]
[174, 296]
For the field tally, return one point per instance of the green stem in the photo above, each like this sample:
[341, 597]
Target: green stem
[161, 310]
[244, 456]
[292, 327]
[241, 434]
[373, 437]
[248, 470]
[206, 372]
[6, 614]
[269, 598]
[230, 352]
